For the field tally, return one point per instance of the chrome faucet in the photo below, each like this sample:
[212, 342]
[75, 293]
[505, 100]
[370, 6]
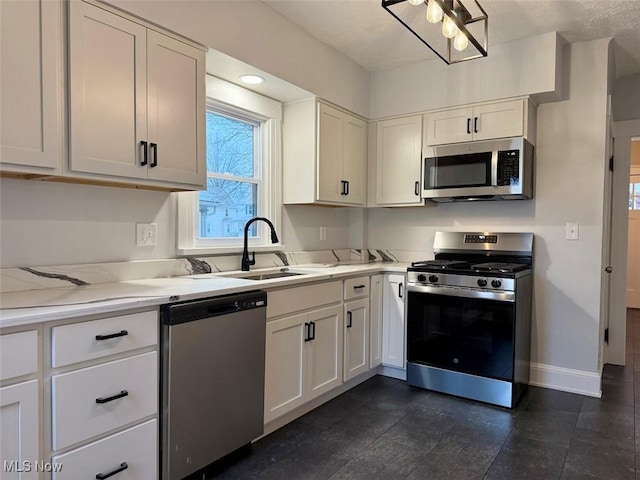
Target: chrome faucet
[246, 263]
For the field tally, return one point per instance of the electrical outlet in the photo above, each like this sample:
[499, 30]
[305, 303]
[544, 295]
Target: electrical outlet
[572, 231]
[146, 234]
[323, 233]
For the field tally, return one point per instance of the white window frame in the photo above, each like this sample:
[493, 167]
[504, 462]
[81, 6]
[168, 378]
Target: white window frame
[235, 101]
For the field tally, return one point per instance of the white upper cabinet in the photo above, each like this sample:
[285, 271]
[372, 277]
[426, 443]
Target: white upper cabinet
[398, 160]
[324, 152]
[31, 135]
[480, 122]
[137, 101]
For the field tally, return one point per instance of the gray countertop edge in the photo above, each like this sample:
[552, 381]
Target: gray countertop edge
[39, 313]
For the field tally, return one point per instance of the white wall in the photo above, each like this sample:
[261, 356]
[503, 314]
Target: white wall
[626, 98]
[570, 162]
[252, 32]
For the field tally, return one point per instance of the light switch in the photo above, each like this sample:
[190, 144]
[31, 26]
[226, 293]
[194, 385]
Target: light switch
[572, 231]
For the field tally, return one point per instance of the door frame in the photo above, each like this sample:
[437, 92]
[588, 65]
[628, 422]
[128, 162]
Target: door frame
[623, 132]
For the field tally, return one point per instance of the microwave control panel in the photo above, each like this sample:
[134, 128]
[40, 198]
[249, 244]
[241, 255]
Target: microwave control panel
[508, 168]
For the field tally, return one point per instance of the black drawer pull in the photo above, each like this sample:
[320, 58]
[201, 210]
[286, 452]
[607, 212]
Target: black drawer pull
[417, 189]
[475, 125]
[312, 329]
[145, 153]
[400, 290]
[469, 126]
[101, 476]
[357, 287]
[121, 333]
[123, 393]
[154, 160]
[349, 320]
[347, 182]
[307, 332]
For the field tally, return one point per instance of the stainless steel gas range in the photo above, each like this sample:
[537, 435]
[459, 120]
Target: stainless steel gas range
[469, 316]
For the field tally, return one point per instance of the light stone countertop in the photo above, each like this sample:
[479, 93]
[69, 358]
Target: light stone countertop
[43, 305]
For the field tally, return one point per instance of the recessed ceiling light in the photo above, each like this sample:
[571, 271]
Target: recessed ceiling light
[252, 79]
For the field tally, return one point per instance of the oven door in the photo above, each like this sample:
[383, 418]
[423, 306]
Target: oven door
[463, 330]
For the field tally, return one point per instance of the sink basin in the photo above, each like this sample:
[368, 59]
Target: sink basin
[267, 276]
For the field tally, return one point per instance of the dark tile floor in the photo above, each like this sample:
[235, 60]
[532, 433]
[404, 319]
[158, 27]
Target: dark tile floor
[383, 429]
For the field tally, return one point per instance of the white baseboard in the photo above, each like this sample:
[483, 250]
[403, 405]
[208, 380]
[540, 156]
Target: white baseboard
[566, 379]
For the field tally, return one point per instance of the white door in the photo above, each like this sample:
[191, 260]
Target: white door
[393, 323]
[356, 338]
[175, 110]
[331, 186]
[499, 120]
[399, 150]
[450, 126]
[375, 321]
[354, 148]
[324, 356]
[285, 364]
[30, 68]
[633, 259]
[19, 423]
[108, 114]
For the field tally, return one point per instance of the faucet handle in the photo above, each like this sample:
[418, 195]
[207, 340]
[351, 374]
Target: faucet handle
[253, 259]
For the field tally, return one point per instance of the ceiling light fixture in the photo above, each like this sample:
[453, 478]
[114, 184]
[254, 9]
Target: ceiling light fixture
[251, 79]
[462, 27]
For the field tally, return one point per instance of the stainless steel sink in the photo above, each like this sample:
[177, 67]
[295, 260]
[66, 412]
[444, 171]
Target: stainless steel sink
[267, 276]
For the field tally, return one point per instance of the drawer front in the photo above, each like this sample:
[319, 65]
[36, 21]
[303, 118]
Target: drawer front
[83, 403]
[78, 342]
[356, 287]
[135, 447]
[18, 354]
[282, 302]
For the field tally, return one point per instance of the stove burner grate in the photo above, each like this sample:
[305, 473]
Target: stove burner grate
[499, 267]
[441, 264]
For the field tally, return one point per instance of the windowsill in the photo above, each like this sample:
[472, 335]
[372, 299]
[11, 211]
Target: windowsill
[277, 247]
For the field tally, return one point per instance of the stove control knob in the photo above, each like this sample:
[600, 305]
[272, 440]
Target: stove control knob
[422, 278]
[482, 282]
[496, 283]
[433, 278]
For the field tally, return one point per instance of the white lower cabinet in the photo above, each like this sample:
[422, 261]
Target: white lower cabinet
[356, 338]
[19, 424]
[128, 455]
[303, 359]
[393, 321]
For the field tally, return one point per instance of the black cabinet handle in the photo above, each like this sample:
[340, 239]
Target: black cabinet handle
[347, 182]
[307, 331]
[343, 184]
[101, 476]
[121, 333]
[145, 153]
[400, 290]
[469, 126]
[313, 330]
[349, 320]
[154, 149]
[475, 124]
[416, 188]
[358, 287]
[123, 393]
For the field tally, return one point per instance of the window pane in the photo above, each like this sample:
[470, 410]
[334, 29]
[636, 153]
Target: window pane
[230, 146]
[636, 187]
[225, 207]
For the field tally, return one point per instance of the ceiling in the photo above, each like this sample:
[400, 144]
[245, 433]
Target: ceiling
[371, 37]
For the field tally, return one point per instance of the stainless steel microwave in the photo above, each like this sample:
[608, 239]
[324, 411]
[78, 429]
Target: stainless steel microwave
[489, 170]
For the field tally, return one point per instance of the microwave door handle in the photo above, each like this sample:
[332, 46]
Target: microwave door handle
[494, 168]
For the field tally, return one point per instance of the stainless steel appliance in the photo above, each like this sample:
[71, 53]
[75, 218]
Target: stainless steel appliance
[469, 316]
[213, 360]
[488, 170]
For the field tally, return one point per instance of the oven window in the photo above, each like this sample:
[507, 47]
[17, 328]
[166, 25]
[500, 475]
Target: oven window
[470, 170]
[461, 334]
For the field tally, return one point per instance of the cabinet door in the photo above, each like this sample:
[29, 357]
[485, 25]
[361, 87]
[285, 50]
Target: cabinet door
[398, 164]
[19, 423]
[330, 176]
[107, 61]
[449, 126]
[355, 144]
[284, 366]
[176, 113]
[375, 321]
[324, 356]
[393, 324]
[356, 338]
[31, 96]
[498, 120]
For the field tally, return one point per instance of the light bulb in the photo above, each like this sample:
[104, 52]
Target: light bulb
[416, 2]
[461, 41]
[434, 12]
[449, 28]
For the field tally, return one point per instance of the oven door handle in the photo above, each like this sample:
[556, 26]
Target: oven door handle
[460, 292]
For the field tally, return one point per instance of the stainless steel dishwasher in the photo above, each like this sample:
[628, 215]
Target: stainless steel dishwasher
[212, 382]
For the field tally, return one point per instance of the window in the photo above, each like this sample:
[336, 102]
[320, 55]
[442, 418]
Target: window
[243, 171]
[634, 193]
